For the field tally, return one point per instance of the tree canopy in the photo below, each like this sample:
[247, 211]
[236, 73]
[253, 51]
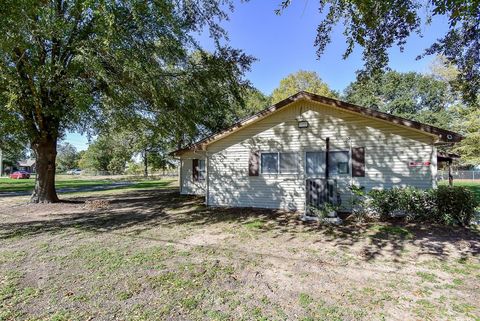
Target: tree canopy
[301, 80]
[75, 65]
[410, 95]
[377, 26]
[67, 157]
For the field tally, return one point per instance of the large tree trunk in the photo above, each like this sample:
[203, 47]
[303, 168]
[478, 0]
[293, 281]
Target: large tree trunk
[46, 153]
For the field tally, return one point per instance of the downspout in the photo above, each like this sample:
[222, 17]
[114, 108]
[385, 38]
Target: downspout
[207, 165]
[327, 151]
[180, 181]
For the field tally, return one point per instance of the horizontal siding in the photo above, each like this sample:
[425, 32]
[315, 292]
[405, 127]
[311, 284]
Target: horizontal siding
[388, 150]
[187, 185]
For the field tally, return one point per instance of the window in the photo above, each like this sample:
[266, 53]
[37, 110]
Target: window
[315, 163]
[201, 169]
[288, 163]
[269, 163]
[283, 163]
[338, 162]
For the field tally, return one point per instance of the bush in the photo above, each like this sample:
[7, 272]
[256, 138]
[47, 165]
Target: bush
[456, 205]
[444, 205]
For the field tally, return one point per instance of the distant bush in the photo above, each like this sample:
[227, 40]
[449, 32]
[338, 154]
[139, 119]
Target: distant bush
[444, 205]
[456, 205]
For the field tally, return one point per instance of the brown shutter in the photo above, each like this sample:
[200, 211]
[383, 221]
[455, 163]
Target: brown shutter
[358, 161]
[254, 163]
[195, 169]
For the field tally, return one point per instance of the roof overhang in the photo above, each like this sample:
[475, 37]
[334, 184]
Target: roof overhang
[447, 157]
[441, 135]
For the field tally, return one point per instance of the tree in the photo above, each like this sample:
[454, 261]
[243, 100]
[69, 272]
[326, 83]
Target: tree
[255, 101]
[469, 147]
[13, 143]
[410, 95]
[108, 153]
[376, 26]
[67, 157]
[69, 65]
[301, 80]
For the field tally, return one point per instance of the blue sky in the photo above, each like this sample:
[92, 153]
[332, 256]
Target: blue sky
[284, 44]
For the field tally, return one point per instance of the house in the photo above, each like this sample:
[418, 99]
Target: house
[307, 149]
[27, 165]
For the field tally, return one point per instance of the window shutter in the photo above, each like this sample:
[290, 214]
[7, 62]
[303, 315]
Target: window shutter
[358, 161]
[254, 163]
[195, 169]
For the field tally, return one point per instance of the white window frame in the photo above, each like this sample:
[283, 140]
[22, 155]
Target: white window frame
[307, 175]
[349, 163]
[349, 166]
[261, 163]
[202, 173]
[296, 153]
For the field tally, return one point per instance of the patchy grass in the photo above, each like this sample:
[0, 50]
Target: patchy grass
[156, 255]
[426, 276]
[388, 231]
[254, 224]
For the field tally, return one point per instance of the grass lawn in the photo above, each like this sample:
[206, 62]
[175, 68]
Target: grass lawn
[153, 254]
[75, 182]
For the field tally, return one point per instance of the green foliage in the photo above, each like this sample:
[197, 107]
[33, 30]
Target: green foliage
[255, 101]
[67, 157]
[469, 126]
[456, 205]
[301, 80]
[377, 26]
[71, 65]
[108, 154]
[410, 95]
[133, 168]
[444, 205]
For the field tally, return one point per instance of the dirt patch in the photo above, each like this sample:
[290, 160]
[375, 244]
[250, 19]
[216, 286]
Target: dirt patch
[159, 255]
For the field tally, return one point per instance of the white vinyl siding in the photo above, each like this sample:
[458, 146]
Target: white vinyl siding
[388, 150]
[188, 185]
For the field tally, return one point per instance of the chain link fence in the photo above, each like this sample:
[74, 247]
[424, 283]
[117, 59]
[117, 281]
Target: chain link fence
[462, 175]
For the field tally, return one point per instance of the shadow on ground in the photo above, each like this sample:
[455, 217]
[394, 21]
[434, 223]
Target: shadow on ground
[140, 211]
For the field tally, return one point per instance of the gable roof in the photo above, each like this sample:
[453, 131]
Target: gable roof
[442, 134]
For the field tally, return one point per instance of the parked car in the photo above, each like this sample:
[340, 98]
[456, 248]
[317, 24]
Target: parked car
[74, 171]
[20, 175]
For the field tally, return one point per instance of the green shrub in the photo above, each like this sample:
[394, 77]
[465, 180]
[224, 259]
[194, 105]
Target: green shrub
[384, 202]
[444, 205]
[456, 205]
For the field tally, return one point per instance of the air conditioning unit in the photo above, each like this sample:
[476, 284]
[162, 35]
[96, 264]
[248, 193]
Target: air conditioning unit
[321, 190]
[333, 196]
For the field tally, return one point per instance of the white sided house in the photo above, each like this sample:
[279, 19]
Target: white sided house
[308, 149]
